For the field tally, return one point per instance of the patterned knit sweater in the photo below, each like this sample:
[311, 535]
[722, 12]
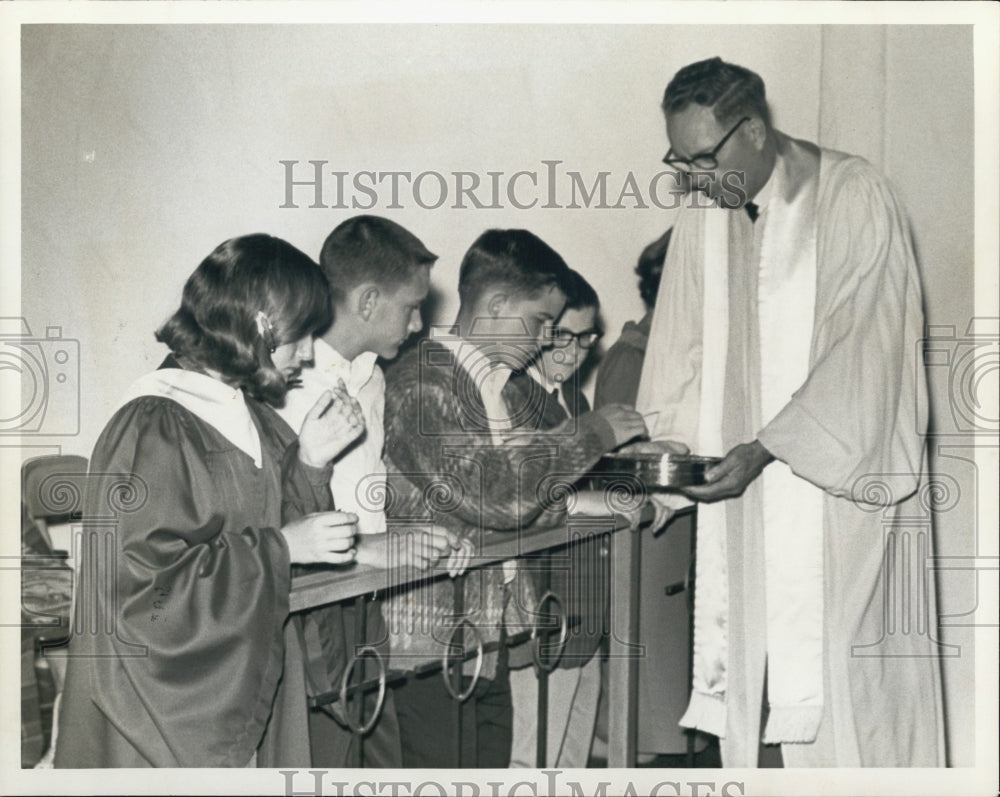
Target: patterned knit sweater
[443, 466]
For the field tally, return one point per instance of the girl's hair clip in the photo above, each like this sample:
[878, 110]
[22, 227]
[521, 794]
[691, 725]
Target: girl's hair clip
[266, 331]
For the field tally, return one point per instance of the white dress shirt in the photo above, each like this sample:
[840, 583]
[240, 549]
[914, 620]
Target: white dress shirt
[359, 474]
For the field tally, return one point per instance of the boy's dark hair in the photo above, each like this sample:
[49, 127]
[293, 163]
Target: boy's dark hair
[217, 327]
[516, 260]
[371, 248]
[650, 268]
[733, 90]
[580, 294]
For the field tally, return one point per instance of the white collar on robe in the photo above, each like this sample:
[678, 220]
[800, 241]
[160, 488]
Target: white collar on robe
[219, 405]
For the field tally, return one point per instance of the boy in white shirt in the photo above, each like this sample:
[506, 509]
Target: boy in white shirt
[379, 276]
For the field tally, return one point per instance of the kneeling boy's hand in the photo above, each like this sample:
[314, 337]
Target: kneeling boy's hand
[334, 422]
[461, 556]
[419, 547]
[625, 422]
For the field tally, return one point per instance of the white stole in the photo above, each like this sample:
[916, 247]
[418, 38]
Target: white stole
[683, 382]
[793, 508]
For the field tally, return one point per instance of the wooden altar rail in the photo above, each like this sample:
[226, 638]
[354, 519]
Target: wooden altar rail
[345, 583]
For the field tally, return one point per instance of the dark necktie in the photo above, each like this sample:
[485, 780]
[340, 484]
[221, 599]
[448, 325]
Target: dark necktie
[751, 210]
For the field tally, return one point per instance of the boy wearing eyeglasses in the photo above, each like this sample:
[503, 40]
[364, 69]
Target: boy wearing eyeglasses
[558, 367]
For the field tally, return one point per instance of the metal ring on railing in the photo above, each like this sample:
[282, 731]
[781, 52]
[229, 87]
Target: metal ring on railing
[461, 697]
[361, 730]
[563, 633]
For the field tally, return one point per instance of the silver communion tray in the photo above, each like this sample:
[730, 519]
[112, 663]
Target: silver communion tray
[655, 471]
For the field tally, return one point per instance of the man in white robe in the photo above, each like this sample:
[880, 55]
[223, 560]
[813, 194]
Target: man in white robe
[785, 338]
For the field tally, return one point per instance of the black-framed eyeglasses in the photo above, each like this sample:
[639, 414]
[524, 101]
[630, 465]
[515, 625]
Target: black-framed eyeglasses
[560, 337]
[705, 160]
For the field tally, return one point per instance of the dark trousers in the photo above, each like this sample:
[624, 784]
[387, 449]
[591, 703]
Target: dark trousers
[768, 755]
[334, 746]
[428, 730]
[330, 635]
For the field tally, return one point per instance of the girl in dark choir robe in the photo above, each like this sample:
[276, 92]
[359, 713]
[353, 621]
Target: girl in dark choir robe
[200, 498]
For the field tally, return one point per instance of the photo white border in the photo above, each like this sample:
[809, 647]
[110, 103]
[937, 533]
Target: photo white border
[984, 16]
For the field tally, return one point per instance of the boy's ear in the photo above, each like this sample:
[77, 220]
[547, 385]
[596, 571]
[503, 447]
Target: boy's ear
[758, 133]
[367, 298]
[495, 304]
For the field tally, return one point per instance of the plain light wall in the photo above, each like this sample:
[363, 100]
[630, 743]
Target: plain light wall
[145, 146]
[928, 155]
[902, 97]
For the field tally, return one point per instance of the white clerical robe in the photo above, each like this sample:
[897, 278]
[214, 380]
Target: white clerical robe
[851, 432]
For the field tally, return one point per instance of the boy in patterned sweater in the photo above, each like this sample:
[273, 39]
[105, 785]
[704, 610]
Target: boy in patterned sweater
[463, 449]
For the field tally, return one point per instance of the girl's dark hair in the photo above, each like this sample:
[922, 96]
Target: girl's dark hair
[217, 324]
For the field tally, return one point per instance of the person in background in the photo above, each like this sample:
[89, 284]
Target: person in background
[784, 338]
[379, 276]
[575, 686]
[216, 498]
[618, 376]
[458, 432]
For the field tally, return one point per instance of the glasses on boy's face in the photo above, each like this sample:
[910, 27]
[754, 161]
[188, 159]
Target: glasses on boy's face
[560, 338]
[706, 161]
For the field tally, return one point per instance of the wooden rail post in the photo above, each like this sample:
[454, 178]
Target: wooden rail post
[623, 663]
